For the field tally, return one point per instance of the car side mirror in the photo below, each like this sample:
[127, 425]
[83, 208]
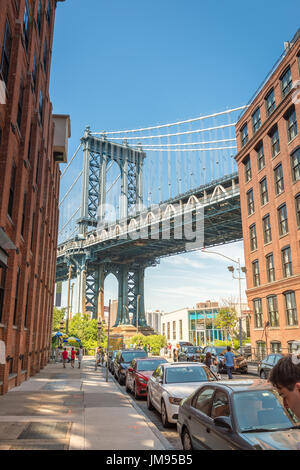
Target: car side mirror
[223, 422]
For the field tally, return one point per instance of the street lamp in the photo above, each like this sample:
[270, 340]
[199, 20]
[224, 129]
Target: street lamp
[239, 278]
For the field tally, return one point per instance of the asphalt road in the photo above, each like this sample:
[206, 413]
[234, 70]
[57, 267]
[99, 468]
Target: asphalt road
[171, 433]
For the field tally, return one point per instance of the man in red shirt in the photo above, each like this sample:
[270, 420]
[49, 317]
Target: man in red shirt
[73, 354]
[64, 357]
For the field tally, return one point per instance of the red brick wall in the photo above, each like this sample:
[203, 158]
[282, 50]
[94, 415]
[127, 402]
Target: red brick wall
[37, 265]
[283, 333]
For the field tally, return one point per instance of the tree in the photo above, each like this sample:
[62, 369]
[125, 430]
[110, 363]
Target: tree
[227, 320]
[86, 329]
[58, 315]
[157, 342]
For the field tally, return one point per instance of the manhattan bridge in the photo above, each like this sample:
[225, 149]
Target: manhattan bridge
[134, 196]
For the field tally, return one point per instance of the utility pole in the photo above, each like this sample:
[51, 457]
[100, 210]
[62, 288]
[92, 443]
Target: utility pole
[137, 312]
[68, 305]
[71, 308]
[108, 326]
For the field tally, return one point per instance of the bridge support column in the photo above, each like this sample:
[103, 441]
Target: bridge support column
[100, 304]
[102, 189]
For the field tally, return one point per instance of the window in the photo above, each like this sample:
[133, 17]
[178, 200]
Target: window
[260, 156]
[261, 349]
[174, 329]
[263, 191]
[34, 70]
[2, 286]
[291, 123]
[20, 104]
[23, 216]
[244, 134]
[32, 231]
[39, 17]
[247, 166]
[164, 329]
[220, 405]
[253, 238]
[26, 306]
[276, 347]
[168, 330]
[45, 56]
[270, 102]
[48, 12]
[282, 220]
[275, 144]
[295, 161]
[267, 229]
[270, 267]
[250, 202]
[297, 203]
[26, 24]
[255, 272]
[273, 310]
[256, 121]
[16, 297]
[287, 262]
[41, 106]
[203, 401]
[11, 191]
[258, 314]
[6, 51]
[286, 82]
[291, 308]
[278, 178]
[180, 329]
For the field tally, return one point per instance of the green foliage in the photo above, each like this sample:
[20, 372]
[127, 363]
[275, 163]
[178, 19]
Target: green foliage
[236, 343]
[157, 342]
[227, 320]
[58, 315]
[85, 329]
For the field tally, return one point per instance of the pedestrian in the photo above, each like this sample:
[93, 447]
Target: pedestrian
[64, 357]
[229, 361]
[73, 355]
[285, 376]
[145, 348]
[149, 348]
[175, 355]
[211, 362]
[97, 358]
[169, 349]
[80, 356]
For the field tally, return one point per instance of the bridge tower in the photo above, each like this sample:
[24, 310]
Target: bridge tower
[91, 269]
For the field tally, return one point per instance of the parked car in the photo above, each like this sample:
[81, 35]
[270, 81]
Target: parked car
[110, 359]
[172, 382]
[236, 415]
[123, 359]
[138, 373]
[189, 353]
[218, 353]
[266, 365]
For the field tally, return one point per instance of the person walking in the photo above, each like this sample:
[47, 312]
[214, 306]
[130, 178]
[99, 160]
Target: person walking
[229, 361]
[80, 356]
[64, 357]
[285, 376]
[211, 362]
[175, 355]
[73, 354]
[97, 357]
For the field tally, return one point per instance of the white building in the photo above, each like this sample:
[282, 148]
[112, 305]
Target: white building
[153, 319]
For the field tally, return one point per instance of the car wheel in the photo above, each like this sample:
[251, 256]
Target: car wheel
[164, 415]
[263, 375]
[186, 440]
[149, 402]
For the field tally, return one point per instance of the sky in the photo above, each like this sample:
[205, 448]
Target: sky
[135, 63]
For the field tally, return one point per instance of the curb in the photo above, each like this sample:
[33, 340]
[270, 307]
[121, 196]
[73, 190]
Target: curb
[167, 445]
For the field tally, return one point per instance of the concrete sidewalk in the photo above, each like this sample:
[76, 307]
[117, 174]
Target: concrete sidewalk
[75, 409]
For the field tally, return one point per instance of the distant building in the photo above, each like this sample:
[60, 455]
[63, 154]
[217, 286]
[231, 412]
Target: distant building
[153, 319]
[195, 325]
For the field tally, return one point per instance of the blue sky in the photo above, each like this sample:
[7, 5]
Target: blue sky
[127, 64]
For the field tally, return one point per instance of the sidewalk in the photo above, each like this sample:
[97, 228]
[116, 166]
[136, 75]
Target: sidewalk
[75, 409]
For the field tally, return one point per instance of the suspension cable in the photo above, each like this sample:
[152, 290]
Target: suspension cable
[76, 151]
[67, 223]
[70, 189]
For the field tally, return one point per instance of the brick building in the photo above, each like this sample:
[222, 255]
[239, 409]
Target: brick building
[268, 161]
[29, 188]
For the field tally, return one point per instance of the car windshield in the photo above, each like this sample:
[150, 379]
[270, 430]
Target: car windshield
[149, 365]
[187, 374]
[192, 350]
[129, 356]
[260, 409]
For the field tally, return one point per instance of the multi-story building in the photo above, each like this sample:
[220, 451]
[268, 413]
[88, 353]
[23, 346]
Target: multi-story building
[153, 319]
[268, 161]
[32, 142]
[195, 325]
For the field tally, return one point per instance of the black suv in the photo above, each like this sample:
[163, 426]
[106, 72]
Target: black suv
[189, 353]
[266, 365]
[123, 359]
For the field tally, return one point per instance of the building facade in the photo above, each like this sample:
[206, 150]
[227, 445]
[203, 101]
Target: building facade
[31, 145]
[268, 161]
[153, 319]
